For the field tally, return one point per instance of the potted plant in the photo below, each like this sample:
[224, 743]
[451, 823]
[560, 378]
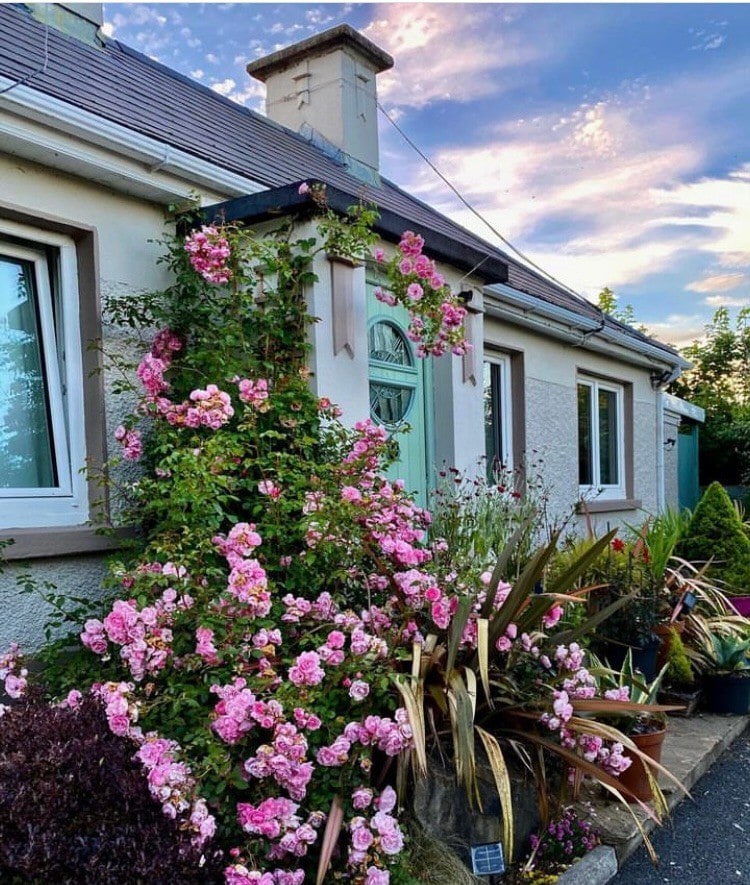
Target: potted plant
[679, 686]
[624, 571]
[727, 679]
[641, 719]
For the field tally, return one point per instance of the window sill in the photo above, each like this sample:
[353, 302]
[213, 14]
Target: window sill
[608, 505]
[62, 541]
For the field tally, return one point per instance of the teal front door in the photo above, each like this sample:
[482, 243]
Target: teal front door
[399, 393]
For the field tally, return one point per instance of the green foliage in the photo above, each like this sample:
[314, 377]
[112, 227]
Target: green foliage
[609, 303]
[729, 654]
[716, 533]
[661, 534]
[719, 382]
[640, 692]
[679, 670]
[348, 237]
[621, 572]
[477, 518]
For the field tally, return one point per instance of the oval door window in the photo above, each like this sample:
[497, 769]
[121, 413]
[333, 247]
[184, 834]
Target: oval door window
[388, 344]
[390, 401]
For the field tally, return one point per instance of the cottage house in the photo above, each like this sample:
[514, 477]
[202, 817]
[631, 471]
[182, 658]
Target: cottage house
[96, 141]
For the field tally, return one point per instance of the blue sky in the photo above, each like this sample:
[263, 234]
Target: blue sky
[611, 142]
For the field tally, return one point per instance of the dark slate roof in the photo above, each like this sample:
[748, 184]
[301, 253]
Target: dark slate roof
[122, 85]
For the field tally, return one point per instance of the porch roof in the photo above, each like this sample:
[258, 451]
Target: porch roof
[286, 200]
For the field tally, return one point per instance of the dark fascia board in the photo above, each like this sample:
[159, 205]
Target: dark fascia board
[287, 200]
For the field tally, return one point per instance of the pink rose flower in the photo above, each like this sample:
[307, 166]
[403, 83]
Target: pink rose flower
[267, 487]
[359, 690]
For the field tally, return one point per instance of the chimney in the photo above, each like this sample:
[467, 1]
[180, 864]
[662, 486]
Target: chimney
[324, 88]
[79, 20]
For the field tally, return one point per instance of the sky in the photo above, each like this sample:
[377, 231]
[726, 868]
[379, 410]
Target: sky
[609, 142]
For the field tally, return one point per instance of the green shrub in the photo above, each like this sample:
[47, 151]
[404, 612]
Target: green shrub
[715, 533]
[679, 671]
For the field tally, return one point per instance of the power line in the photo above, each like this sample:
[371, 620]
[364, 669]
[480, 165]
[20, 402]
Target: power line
[41, 70]
[478, 214]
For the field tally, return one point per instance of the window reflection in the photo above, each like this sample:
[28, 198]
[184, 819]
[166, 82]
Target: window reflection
[26, 459]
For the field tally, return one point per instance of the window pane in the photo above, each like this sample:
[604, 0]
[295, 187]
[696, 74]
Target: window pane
[25, 432]
[608, 454]
[389, 404]
[585, 442]
[490, 418]
[389, 345]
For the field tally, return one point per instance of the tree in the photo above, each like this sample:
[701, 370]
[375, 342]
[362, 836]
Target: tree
[719, 382]
[609, 303]
[716, 535]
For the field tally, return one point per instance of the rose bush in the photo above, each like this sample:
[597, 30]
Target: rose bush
[276, 640]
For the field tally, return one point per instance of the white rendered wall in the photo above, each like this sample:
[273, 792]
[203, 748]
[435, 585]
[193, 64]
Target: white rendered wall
[335, 95]
[342, 377]
[459, 404]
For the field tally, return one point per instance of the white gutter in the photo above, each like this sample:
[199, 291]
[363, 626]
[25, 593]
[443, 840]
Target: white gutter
[510, 304]
[154, 155]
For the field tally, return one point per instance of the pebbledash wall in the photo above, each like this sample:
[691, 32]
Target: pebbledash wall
[551, 371]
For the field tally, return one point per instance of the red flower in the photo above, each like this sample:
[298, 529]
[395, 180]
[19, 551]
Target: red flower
[618, 545]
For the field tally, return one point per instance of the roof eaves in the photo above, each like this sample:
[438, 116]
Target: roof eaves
[605, 329]
[287, 200]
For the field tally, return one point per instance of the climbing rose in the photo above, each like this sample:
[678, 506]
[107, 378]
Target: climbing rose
[209, 250]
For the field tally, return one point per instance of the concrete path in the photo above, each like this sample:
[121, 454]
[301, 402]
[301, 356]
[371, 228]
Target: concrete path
[709, 843]
[708, 839]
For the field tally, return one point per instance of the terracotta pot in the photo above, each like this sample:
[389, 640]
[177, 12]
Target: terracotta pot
[635, 778]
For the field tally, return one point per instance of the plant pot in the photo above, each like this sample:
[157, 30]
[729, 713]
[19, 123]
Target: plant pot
[635, 778]
[689, 699]
[727, 693]
[742, 604]
[644, 658]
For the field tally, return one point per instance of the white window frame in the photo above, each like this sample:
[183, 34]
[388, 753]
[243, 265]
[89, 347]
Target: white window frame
[67, 503]
[503, 363]
[614, 491]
